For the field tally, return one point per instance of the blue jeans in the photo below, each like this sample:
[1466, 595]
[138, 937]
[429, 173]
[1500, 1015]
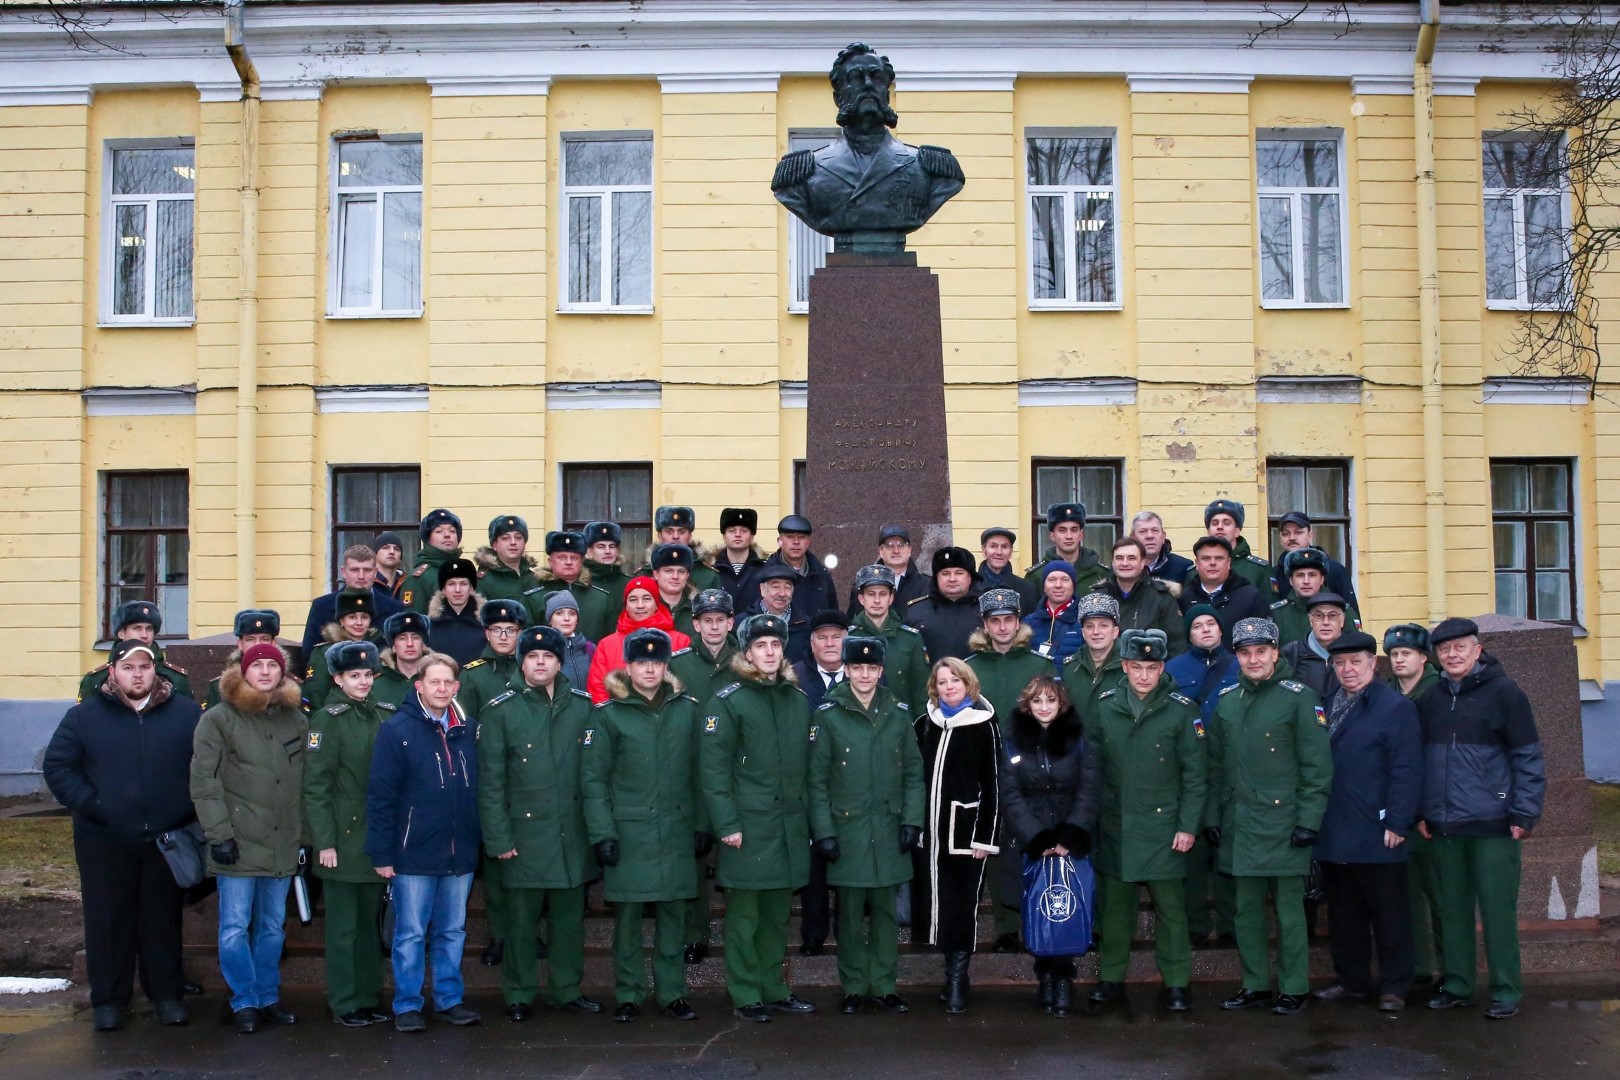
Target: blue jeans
[424, 906]
[251, 960]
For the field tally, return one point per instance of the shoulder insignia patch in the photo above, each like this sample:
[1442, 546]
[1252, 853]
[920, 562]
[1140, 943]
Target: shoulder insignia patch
[680, 652]
[581, 693]
[1107, 693]
[590, 734]
[1258, 561]
[498, 698]
[683, 696]
[181, 670]
[337, 710]
[1321, 717]
[938, 161]
[309, 673]
[405, 597]
[1175, 696]
[711, 724]
[813, 729]
[1292, 687]
[313, 742]
[825, 705]
[1279, 604]
[909, 629]
[795, 168]
[1357, 621]
[915, 600]
[386, 706]
[1229, 689]
[419, 571]
[729, 690]
[1198, 727]
[902, 705]
[475, 663]
[536, 589]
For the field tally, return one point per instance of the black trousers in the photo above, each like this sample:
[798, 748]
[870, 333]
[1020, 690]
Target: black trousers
[131, 920]
[815, 905]
[1369, 910]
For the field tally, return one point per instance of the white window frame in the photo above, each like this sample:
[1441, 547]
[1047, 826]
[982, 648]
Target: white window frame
[1521, 268]
[109, 234]
[1296, 209]
[803, 241]
[334, 246]
[1109, 191]
[605, 192]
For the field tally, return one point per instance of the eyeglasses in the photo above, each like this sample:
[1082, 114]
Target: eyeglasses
[504, 631]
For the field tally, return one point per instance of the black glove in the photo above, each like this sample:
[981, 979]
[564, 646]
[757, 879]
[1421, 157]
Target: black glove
[910, 837]
[1076, 839]
[225, 854]
[702, 843]
[1212, 835]
[827, 848]
[1040, 842]
[607, 852]
[1302, 837]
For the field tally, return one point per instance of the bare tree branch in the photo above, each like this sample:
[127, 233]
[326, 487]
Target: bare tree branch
[1275, 18]
[84, 22]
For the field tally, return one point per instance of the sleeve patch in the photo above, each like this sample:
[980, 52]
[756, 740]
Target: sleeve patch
[585, 739]
[813, 729]
[1321, 717]
[711, 725]
[1198, 727]
[405, 597]
[313, 742]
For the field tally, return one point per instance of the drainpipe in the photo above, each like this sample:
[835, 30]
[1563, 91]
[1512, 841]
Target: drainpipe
[1428, 259]
[247, 315]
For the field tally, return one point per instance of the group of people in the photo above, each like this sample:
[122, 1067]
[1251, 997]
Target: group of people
[1213, 730]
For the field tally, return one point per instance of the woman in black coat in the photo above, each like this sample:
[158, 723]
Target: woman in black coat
[1047, 786]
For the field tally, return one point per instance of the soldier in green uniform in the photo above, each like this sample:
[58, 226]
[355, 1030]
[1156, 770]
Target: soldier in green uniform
[565, 570]
[405, 646]
[533, 815]
[672, 569]
[1066, 533]
[139, 620]
[337, 768]
[1413, 674]
[1146, 745]
[1224, 518]
[905, 657]
[490, 674]
[505, 568]
[1306, 569]
[355, 610]
[254, 626]
[604, 563]
[866, 813]
[441, 542]
[1270, 768]
[1097, 667]
[674, 525]
[755, 758]
[643, 807]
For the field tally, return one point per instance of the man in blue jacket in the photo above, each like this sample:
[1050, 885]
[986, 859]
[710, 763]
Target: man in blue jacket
[357, 570]
[422, 834]
[1372, 807]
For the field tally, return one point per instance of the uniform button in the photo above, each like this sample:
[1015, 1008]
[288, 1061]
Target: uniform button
[1276, 802]
[1273, 749]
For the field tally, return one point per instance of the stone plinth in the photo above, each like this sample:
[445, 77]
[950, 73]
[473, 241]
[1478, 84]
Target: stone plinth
[204, 658]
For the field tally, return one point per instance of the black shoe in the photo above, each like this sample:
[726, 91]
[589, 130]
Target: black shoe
[1007, 943]
[106, 1018]
[1445, 999]
[754, 1013]
[852, 1004]
[1501, 1010]
[1177, 999]
[697, 952]
[1045, 987]
[190, 989]
[1225, 941]
[680, 1009]
[1337, 992]
[581, 1004]
[1106, 993]
[494, 953]
[359, 1018]
[1289, 1005]
[517, 1012]
[793, 1004]
[1391, 1003]
[171, 1013]
[1063, 997]
[1247, 999]
[459, 1015]
[894, 1003]
[812, 948]
[274, 1013]
[377, 1015]
[626, 1012]
[245, 1021]
[1200, 942]
[410, 1022]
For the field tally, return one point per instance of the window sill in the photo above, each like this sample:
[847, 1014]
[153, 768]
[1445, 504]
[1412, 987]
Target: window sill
[374, 314]
[1112, 306]
[798, 309]
[145, 324]
[1518, 306]
[1284, 305]
[648, 310]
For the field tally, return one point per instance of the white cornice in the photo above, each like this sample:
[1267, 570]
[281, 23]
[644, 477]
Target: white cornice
[491, 85]
[291, 90]
[640, 394]
[1057, 393]
[226, 90]
[741, 83]
[994, 81]
[372, 399]
[1308, 389]
[45, 95]
[1170, 82]
[140, 401]
[1537, 391]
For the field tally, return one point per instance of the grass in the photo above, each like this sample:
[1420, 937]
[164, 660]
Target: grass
[36, 859]
[1606, 826]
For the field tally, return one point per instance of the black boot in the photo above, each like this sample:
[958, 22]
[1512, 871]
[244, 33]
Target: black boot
[956, 981]
[1063, 989]
[1045, 987]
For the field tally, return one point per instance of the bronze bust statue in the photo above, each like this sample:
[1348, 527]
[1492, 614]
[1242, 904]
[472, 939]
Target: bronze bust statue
[866, 189]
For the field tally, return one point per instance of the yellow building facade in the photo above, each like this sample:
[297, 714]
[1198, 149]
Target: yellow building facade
[1187, 380]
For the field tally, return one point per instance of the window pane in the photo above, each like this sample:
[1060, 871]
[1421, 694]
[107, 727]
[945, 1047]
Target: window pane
[402, 251]
[172, 550]
[356, 496]
[1324, 283]
[584, 250]
[1100, 537]
[1071, 162]
[1552, 545]
[1501, 280]
[1053, 484]
[1510, 594]
[147, 500]
[1276, 250]
[631, 495]
[1510, 553]
[357, 241]
[585, 495]
[1544, 247]
[1522, 163]
[154, 172]
[1298, 162]
[1330, 538]
[129, 286]
[1549, 488]
[632, 247]
[1552, 597]
[1510, 489]
[1094, 247]
[1324, 492]
[401, 496]
[1047, 247]
[1099, 491]
[617, 161]
[173, 261]
[1285, 489]
[129, 559]
[173, 600]
[379, 164]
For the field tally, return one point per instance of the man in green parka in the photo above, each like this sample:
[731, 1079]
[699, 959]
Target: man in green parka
[496, 667]
[441, 542]
[532, 811]
[1414, 675]
[337, 768]
[506, 570]
[755, 767]
[604, 562]
[1097, 667]
[644, 810]
[1146, 745]
[1270, 768]
[866, 813]
[565, 571]
[905, 663]
[141, 620]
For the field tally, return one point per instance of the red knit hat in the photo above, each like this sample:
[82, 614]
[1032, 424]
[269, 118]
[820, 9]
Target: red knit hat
[263, 651]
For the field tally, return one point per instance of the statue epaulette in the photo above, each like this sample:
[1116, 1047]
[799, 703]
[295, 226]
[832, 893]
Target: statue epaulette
[794, 168]
[938, 161]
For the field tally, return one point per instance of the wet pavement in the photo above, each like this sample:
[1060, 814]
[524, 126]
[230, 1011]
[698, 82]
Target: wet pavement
[1563, 1032]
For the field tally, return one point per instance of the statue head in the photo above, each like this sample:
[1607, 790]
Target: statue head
[860, 81]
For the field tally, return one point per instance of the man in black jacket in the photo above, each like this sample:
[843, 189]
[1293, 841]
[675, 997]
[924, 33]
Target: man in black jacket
[120, 761]
[1483, 787]
[995, 567]
[949, 614]
[1294, 532]
[813, 586]
[894, 551]
[1215, 583]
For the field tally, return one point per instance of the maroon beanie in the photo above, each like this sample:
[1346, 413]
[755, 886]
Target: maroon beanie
[263, 651]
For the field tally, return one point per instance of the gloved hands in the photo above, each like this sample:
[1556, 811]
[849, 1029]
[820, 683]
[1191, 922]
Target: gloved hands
[702, 843]
[1212, 835]
[607, 852]
[225, 854]
[827, 848]
[910, 837]
[1073, 837]
[1302, 837]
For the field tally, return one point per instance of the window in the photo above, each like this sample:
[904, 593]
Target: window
[1321, 488]
[611, 491]
[377, 241]
[370, 499]
[607, 217]
[148, 229]
[1099, 486]
[1073, 239]
[1533, 518]
[807, 249]
[1302, 227]
[147, 546]
[801, 487]
[1524, 222]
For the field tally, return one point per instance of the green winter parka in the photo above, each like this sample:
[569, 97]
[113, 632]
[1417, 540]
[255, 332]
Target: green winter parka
[1003, 676]
[905, 663]
[337, 768]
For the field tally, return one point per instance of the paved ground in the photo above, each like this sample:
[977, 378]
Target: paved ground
[1563, 1032]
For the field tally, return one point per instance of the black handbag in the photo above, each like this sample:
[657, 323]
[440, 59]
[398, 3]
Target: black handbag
[186, 851]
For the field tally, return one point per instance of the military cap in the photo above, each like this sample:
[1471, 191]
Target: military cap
[1309, 558]
[1406, 636]
[672, 555]
[776, 571]
[1295, 517]
[457, 568]
[547, 638]
[405, 622]
[138, 611]
[647, 643]
[761, 625]
[507, 523]
[794, 523]
[1058, 513]
[1254, 632]
[713, 602]
[387, 538]
[1327, 599]
[356, 602]
[257, 621]
[434, 519]
[602, 532]
[565, 541]
[1224, 506]
[123, 648]
[1353, 641]
[955, 558]
[352, 656]
[998, 530]
[1000, 602]
[502, 611]
[865, 650]
[894, 532]
[1451, 629]
[876, 574]
[674, 517]
[1096, 605]
[1144, 645]
[736, 515]
[829, 617]
[1212, 541]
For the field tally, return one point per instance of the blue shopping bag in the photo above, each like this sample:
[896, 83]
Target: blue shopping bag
[1059, 895]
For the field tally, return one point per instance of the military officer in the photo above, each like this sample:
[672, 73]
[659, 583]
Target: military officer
[441, 542]
[405, 645]
[1294, 532]
[565, 569]
[755, 756]
[254, 626]
[140, 620]
[672, 569]
[1306, 570]
[337, 768]
[487, 676]
[866, 813]
[1270, 769]
[1097, 667]
[355, 610]
[1224, 518]
[532, 812]
[506, 570]
[1066, 534]
[1414, 675]
[674, 525]
[905, 657]
[603, 561]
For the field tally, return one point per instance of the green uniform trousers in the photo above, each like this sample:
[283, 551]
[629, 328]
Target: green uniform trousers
[756, 944]
[1423, 891]
[669, 963]
[868, 948]
[1253, 937]
[1171, 950]
[353, 953]
[1482, 872]
[1203, 884]
[565, 945]
[494, 898]
[700, 912]
[1009, 920]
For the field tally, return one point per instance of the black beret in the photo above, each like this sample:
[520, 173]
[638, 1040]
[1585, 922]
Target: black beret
[542, 638]
[674, 517]
[502, 611]
[671, 555]
[1058, 513]
[761, 625]
[566, 541]
[602, 532]
[1406, 636]
[1451, 629]
[733, 515]
[1144, 645]
[713, 602]
[1327, 599]
[955, 558]
[457, 568]
[138, 611]
[434, 519]
[507, 523]
[647, 644]
[829, 617]
[405, 622]
[865, 650]
[356, 602]
[352, 656]
[1353, 641]
[257, 621]
[1224, 506]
